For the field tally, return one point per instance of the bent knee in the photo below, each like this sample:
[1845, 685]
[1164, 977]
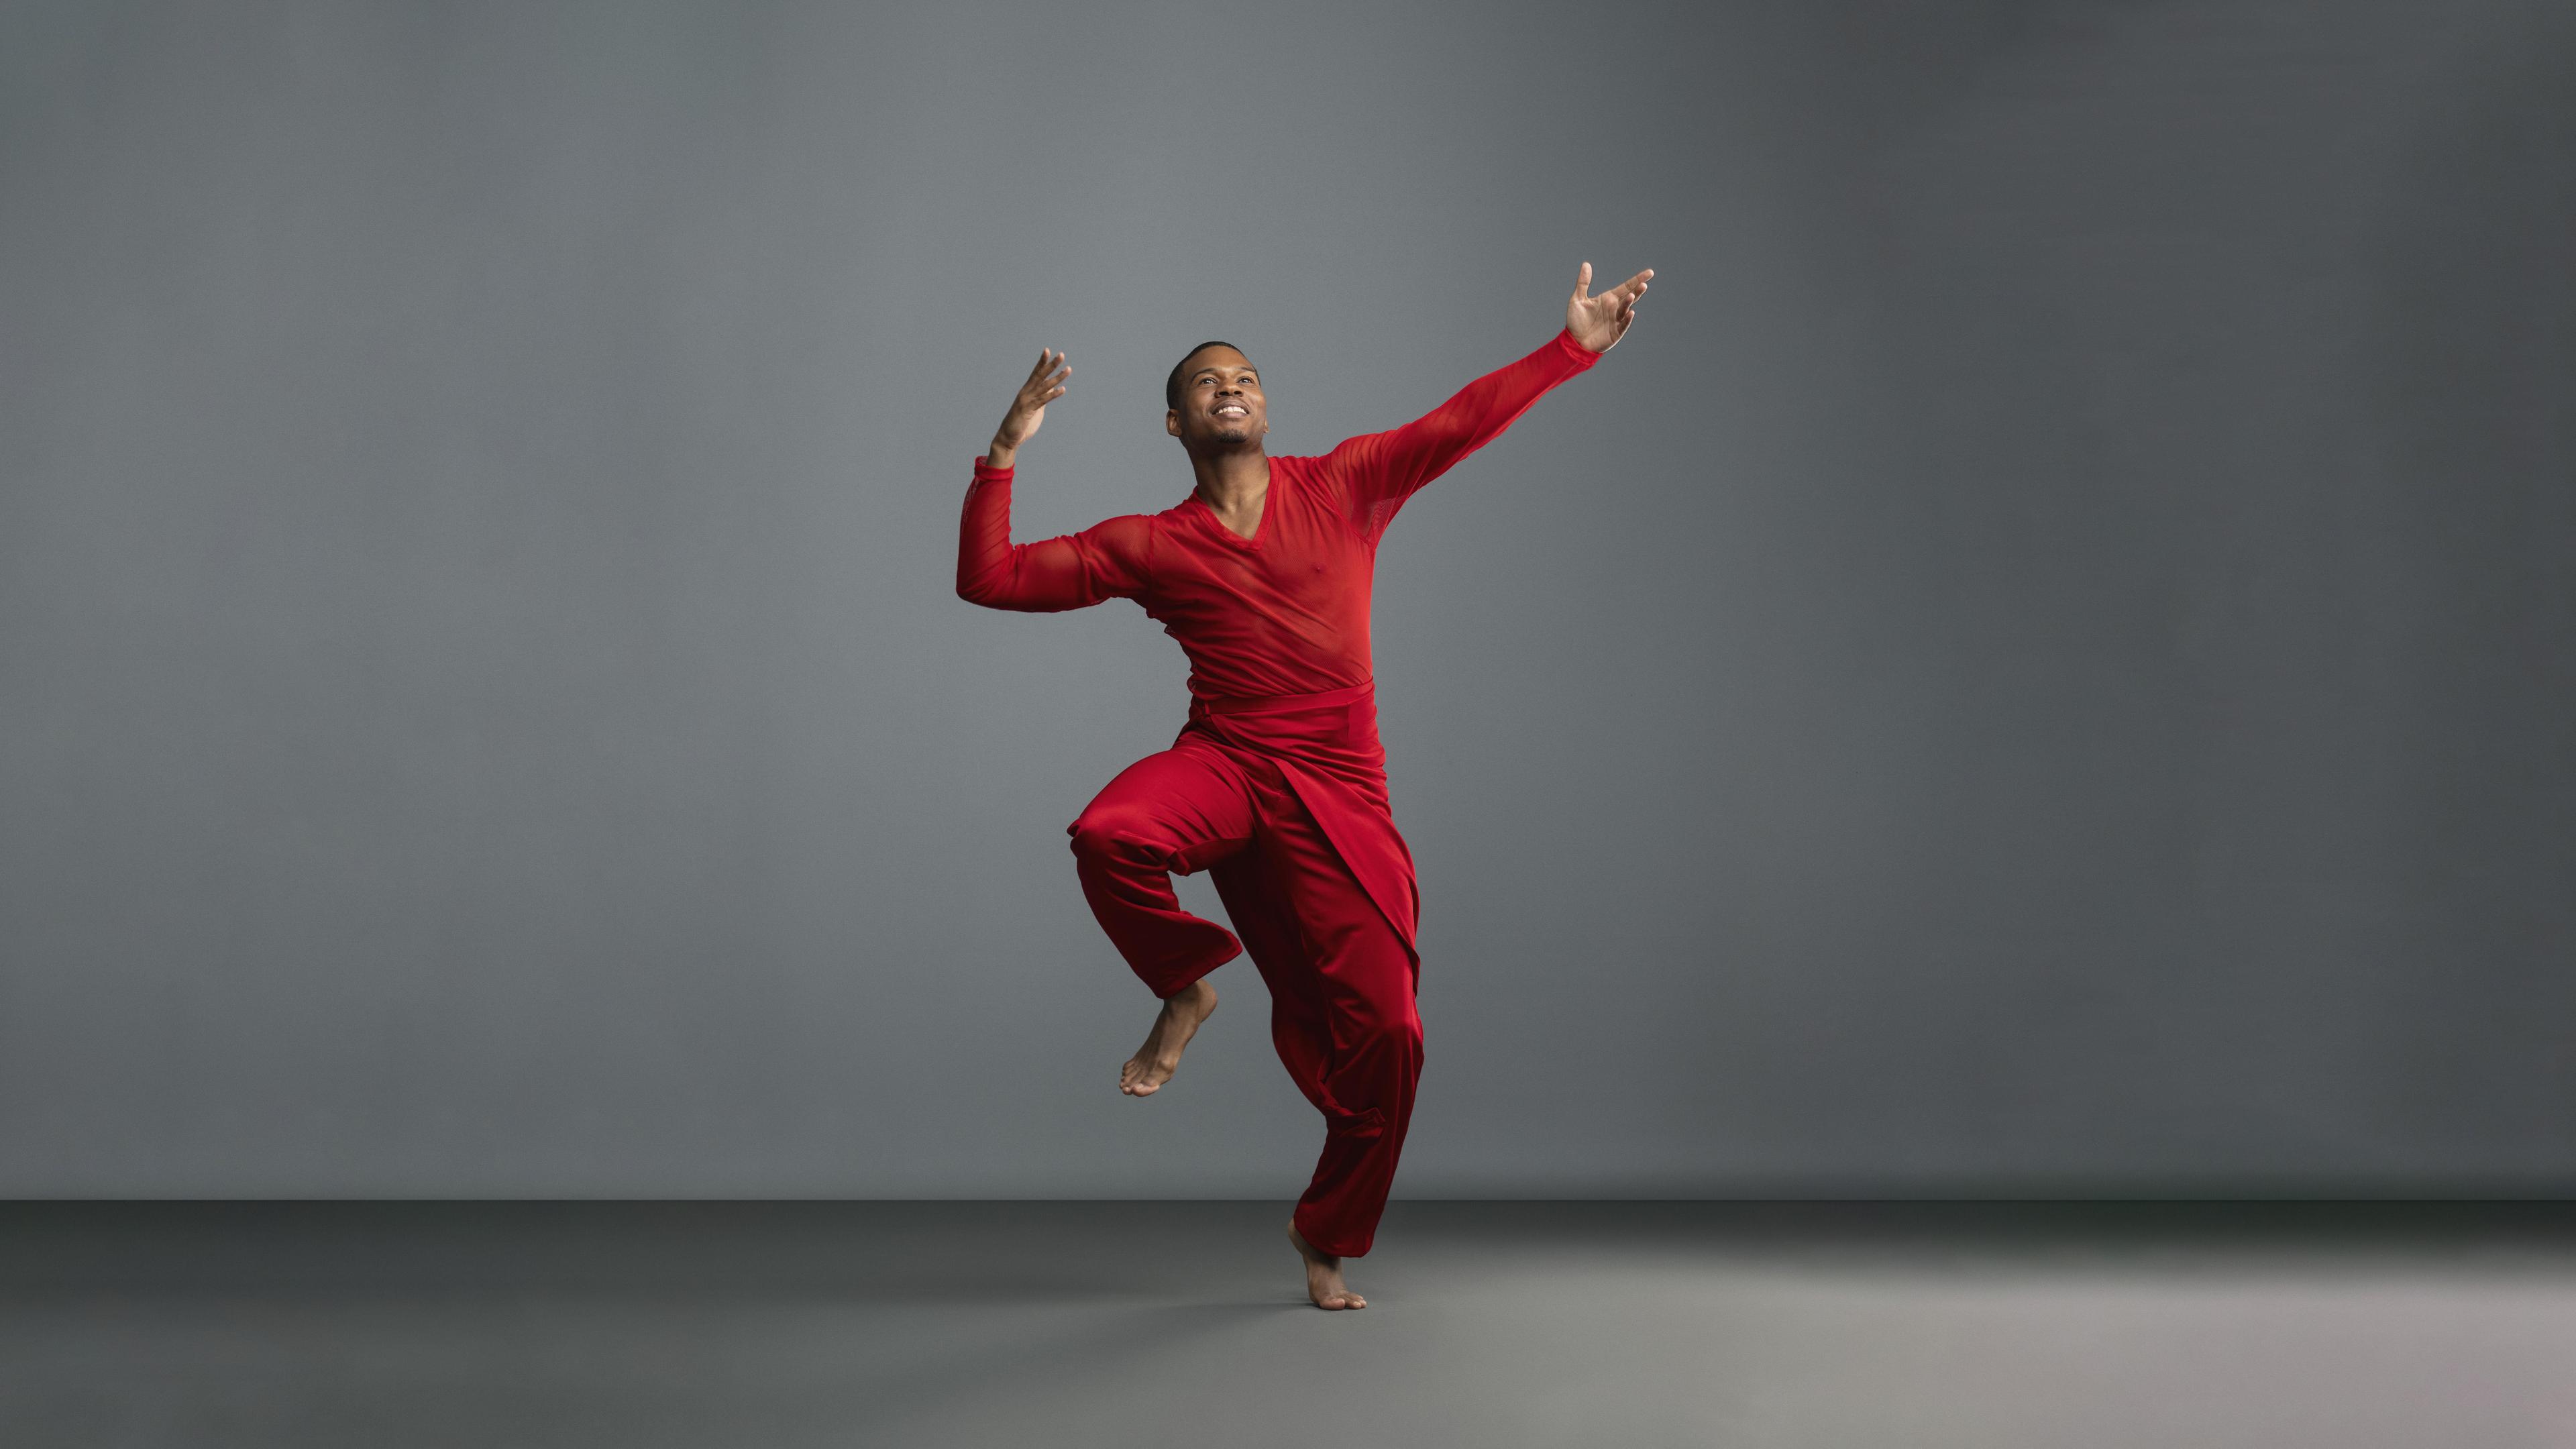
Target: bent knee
[1119, 830]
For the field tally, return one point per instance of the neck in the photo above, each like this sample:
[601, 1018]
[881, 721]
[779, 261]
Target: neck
[1232, 479]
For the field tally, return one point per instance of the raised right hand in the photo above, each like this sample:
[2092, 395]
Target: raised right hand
[1044, 385]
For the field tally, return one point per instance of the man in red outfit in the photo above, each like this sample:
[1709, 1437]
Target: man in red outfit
[1277, 785]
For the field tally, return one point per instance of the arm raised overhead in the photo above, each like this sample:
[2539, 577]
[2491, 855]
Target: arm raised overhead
[1105, 561]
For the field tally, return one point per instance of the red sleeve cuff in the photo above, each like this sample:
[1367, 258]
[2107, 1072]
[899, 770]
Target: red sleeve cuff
[984, 470]
[1582, 356]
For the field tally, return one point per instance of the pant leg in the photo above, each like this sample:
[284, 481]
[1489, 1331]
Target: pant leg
[1342, 1008]
[1180, 810]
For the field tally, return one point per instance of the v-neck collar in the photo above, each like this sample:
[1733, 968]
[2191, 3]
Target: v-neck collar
[1260, 527]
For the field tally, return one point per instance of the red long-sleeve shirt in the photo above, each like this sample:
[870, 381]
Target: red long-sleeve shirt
[1285, 611]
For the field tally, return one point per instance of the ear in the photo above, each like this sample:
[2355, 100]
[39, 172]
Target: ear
[1172, 422]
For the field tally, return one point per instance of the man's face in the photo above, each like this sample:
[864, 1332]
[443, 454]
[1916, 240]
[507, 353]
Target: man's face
[1221, 400]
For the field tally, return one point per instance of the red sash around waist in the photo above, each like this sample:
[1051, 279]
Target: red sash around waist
[1332, 729]
[1267, 703]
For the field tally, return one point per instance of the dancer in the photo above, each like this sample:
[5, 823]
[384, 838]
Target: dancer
[1276, 786]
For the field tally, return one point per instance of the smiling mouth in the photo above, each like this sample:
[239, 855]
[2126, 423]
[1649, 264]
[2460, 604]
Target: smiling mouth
[1236, 410]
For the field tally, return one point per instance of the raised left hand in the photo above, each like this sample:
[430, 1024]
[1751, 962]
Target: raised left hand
[1599, 322]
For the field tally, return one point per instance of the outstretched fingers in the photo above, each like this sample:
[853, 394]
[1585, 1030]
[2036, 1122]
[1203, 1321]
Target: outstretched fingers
[1625, 291]
[1046, 380]
[1624, 302]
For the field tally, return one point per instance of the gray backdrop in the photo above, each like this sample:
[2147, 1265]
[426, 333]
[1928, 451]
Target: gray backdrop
[2044, 662]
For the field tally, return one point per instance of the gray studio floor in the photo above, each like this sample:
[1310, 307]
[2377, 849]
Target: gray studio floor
[648, 1324]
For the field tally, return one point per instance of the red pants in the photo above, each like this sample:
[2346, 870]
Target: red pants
[1341, 981]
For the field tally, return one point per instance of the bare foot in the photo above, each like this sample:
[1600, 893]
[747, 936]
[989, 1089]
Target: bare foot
[1323, 1275]
[1145, 1073]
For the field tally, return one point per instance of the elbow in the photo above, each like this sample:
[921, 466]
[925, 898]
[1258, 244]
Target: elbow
[1451, 439]
[994, 589]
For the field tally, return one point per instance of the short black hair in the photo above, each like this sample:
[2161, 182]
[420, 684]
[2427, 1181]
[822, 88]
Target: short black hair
[1172, 385]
